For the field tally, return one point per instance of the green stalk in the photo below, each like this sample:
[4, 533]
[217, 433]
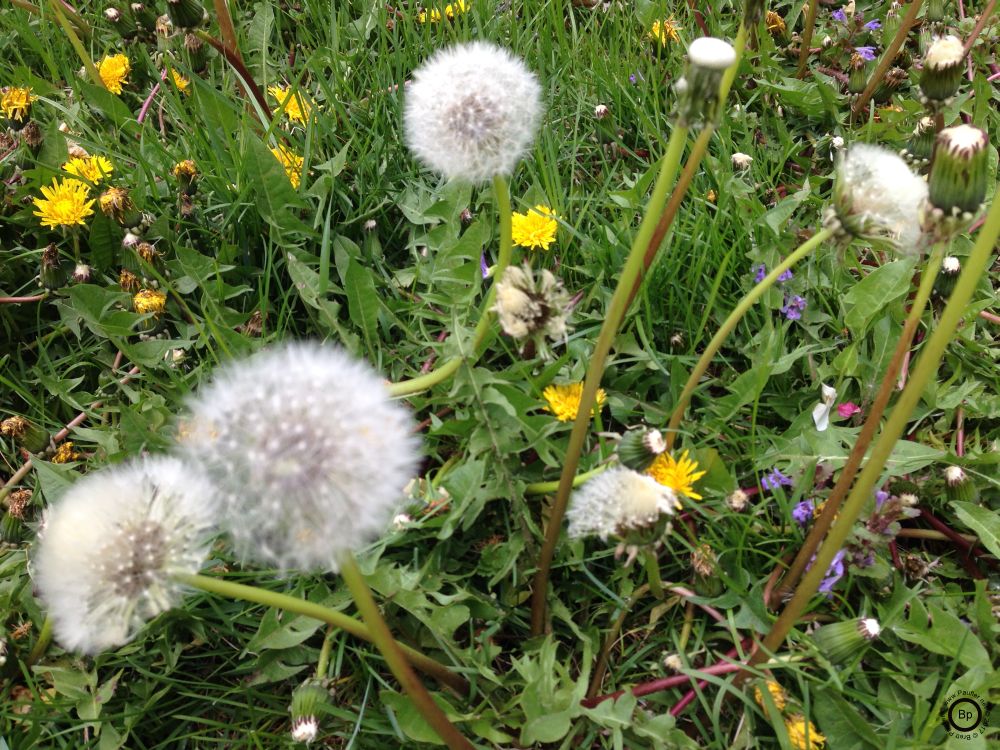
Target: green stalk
[44, 639]
[615, 314]
[885, 62]
[501, 192]
[653, 573]
[74, 40]
[241, 591]
[323, 663]
[544, 488]
[730, 323]
[807, 37]
[395, 658]
[872, 421]
[82, 26]
[926, 367]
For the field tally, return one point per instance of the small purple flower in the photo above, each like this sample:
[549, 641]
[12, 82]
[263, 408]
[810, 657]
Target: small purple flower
[794, 306]
[761, 272]
[785, 275]
[839, 16]
[872, 25]
[833, 574]
[482, 265]
[636, 77]
[803, 512]
[880, 497]
[865, 53]
[774, 479]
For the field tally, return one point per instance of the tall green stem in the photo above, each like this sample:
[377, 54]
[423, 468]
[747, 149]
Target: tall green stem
[874, 418]
[44, 639]
[807, 37]
[59, 10]
[885, 62]
[395, 658]
[323, 614]
[615, 314]
[730, 323]
[501, 192]
[926, 367]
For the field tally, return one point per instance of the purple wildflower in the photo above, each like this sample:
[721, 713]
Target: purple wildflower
[785, 275]
[482, 265]
[872, 25]
[774, 479]
[840, 16]
[803, 512]
[880, 497]
[794, 306]
[761, 272]
[865, 53]
[833, 574]
[636, 77]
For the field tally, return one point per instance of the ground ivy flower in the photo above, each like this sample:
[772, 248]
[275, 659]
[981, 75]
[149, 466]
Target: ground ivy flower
[774, 479]
[297, 107]
[471, 111]
[793, 307]
[114, 70]
[90, 168]
[535, 229]
[307, 451]
[291, 162]
[110, 545]
[15, 101]
[564, 400]
[839, 16]
[803, 734]
[873, 25]
[803, 512]
[664, 31]
[865, 53]
[64, 204]
[677, 474]
[616, 502]
[834, 573]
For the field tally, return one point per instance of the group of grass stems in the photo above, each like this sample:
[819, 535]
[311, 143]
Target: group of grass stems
[709, 78]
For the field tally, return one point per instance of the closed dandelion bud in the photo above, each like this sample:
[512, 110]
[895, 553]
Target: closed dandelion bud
[32, 136]
[308, 699]
[935, 11]
[889, 85]
[839, 641]
[617, 502]
[81, 274]
[959, 171]
[186, 14]
[859, 74]
[196, 51]
[11, 532]
[891, 24]
[708, 59]
[639, 448]
[944, 64]
[920, 147]
[52, 273]
[144, 15]
[958, 486]
[947, 276]
[26, 434]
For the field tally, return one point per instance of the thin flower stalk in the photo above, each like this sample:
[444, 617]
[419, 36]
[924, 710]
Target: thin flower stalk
[42, 644]
[807, 35]
[226, 28]
[74, 18]
[888, 57]
[245, 77]
[991, 6]
[730, 323]
[927, 367]
[241, 591]
[832, 505]
[81, 51]
[544, 488]
[396, 659]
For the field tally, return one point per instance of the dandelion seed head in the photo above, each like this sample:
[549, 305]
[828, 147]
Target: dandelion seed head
[616, 502]
[944, 52]
[308, 453]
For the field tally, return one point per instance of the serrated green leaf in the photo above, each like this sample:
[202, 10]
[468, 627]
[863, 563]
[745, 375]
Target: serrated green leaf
[875, 292]
[985, 522]
[362, 300]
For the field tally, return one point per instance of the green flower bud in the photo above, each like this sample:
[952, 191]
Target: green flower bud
[26, 434]
[920, 147]
[639, 448]
[307, 699]
[708, 59]
[186, 14]
[958, 486]
[934, 11]
[839, 641]
[959, 172]
[858, 77]
[52, 273]
[144, 15]
[947, 276]
[889, 85]
[943, 66]
[196, 51]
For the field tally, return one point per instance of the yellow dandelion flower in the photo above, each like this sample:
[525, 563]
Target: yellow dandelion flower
[297, 107]
[564, 400]
[183, 84]
[777, 695]
[15, 101]
[775, 23]
[796, 726]
[65, 453]
[89, 168]
[534, 229]
[450, 12]
[186, 169]
[292, 163]
[65, 204]
[432, 15]
[114, 70]
[456, 9]
[665, 30]
[679, 476]
[149, 301]
[711, 197]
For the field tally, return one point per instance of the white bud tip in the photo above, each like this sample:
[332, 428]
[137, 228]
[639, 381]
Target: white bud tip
[951, 264]
[944, 52]
[709, 52]
[954, 475]
[963, 139]
[870, 628]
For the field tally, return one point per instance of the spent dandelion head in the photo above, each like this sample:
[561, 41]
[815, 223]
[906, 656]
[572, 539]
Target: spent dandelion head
[15, 101]
[564, 400]
[114, 70]
[708, 59]
[93, 169]
[677, 474]
[110, 546]
[534, 229]
[296, 105]
[532, 305]
[307, 451]
[471, 111]
[64, 204]
[664, 31]
[617, 502]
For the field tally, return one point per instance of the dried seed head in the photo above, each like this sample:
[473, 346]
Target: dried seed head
[616, 502]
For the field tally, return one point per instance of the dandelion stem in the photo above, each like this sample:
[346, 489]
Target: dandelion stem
[543, 488]
[234, 59]
[324, 653]
[807, 35]
[652, 564]
[82, 26]
[22, 300]
[330, 616]
[44, 639]
[730, 323]
[395, 658]
[832, 505]
[927, 366]
[885, 62]
[612, 320]
[74, 40]
[226, 27]
[980, 24]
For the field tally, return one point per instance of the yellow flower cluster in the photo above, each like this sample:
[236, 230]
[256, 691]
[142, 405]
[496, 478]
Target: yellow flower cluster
[15, 102]
[90, 168]
[149, 301]
[65, 453]
[296, 106]
[564, 400]
[64, 204]
[664, 31]
[678, 475]
[183, 84]
[450, 11]
[797, 727]
[534, 229]
[292, 163]
[114, 70]
[777, 695]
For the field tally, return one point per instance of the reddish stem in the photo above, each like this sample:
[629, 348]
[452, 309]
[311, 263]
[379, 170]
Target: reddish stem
[894, 551]
[149, 99]
[688, 698]
[21, 300]
[429, 362]
[960, 432]
[989, 316]
[655, 686]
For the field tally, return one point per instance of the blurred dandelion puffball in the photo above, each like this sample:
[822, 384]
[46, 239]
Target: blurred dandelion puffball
[876, 195]
[110, 546]
[616, 501]
[308, 454]
[472, 111]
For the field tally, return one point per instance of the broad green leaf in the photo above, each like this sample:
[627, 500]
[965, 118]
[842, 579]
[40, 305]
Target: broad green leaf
[874, 293]
[985, 522]
[102, 241]
[362, 300]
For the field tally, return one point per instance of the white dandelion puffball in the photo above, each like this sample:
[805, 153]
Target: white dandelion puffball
[110, 546]
[472, 111]
[618, 500]
[308, 453]
[877, 195]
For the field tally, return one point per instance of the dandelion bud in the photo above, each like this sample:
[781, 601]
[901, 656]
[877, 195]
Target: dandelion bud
[26, 434]
[307, 699]
[858, 77]
[471, 111]
[891, 24]
[958, 486]
[944, 63]
[532, 305]
[308, 453]
[839, 641]
[618, 502]
[947, 276]
[601, 111]
[959, 171]
[52, 273]
[128, 281]
[114, 16]
[149, 256]
[639, 448]
[706, 576]
[186, 14]
[920, 147]
[708, 59]
[934, 12]
[890, 84]
[111, 546]
[81, 274]
[876, 196]
[737, 500]
[197, 52]
[144, 15]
